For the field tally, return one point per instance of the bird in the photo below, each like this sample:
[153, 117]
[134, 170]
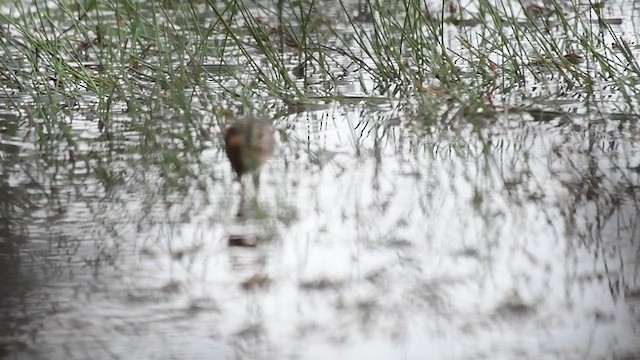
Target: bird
[249, 143]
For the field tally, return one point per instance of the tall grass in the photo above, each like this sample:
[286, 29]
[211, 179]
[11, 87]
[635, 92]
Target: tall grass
[234, 56]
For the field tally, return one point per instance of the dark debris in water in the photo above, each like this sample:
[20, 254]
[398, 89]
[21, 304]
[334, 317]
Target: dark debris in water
[607, 21]
[241, 240]
[456, 21]
[514, 308]
[255, 282]
[179, 254]
[633, 294]
[322, 284]
[399, 243]
[546, 115]
[143, 295]
[603, 317]
[172, 287]
[251, 331]
[627, 356]
[468, 253]
[203, 304]
[148, 252]
[534, 10]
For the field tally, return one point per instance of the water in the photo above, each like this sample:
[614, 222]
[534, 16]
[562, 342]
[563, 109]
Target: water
[400, 246]
[375, 237]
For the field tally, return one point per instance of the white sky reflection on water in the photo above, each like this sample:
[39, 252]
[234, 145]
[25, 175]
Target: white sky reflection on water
[365, 258]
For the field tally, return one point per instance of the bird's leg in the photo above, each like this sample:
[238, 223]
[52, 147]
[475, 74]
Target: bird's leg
[242, 208]
[255, 176]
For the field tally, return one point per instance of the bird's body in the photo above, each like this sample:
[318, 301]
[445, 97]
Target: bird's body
[249, 144]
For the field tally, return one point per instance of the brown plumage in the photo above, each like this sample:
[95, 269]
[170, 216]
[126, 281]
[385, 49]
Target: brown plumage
[249, 143]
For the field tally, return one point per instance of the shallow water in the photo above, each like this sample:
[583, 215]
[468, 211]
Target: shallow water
[375, 242]
[376, 236]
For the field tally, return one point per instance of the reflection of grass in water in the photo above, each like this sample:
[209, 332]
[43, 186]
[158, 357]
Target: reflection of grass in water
[13, 206]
